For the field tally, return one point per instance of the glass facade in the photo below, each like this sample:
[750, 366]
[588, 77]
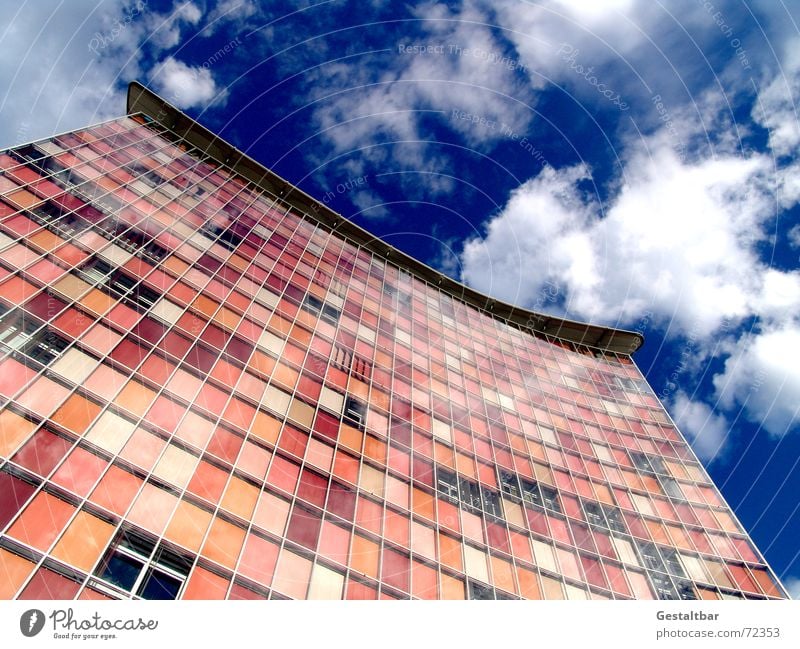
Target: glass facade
[207, 394]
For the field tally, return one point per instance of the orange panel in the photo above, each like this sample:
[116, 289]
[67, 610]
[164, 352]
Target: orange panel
[41, 521]
[13, 431]
[14, 570]
[224, 543]
[84, 541]
[188, 525]
[204, 584]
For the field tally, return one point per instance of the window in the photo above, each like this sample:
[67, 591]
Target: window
[641, 462]
[530, 492]
[614, 518]
[653, 465]
[470, 494]
[153, 252]
[604, 516]
[540, 495]
[491, 502]
[21, 332]
[321, 309]
[594, 514]
[133, 564]
[479, 591]
[447, 485]
[16, 329]
[685, 590]
[509, 484]
[550, 498]
[650, 557]
[672, 563]
[671, 488]
[122, 284]
[96, 271]
[663, 586]
[45, 347]
[355, 412]
[133, 293]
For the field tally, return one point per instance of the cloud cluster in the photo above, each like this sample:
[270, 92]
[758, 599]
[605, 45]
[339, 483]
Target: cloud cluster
[681, 238]
[73, 61]
[184, 85]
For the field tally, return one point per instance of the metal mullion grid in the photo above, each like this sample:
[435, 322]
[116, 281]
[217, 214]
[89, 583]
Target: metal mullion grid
[362, 460]
[530, 533]
[272, 490]
[695, 551]
[70, 150]
[360, 454]
[434, 563]
[149, 473]
[182, 491]
[336, 447]
[91, 226]
[598, 556]
[510, 450]
[83, 501]
[50, 138]
[245, 437]
[723, 507]
[391, 302]
[67, 239]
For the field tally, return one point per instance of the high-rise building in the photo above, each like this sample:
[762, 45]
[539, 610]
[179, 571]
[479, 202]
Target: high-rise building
[215, 387]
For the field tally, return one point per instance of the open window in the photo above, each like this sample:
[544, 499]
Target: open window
[136, 566]
[355, 413]
[447, 485]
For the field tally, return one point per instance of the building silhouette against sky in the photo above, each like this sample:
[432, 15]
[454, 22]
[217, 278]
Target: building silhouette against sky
[215, 387]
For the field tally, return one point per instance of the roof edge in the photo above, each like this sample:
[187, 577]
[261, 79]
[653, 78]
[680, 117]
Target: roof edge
[156, 108]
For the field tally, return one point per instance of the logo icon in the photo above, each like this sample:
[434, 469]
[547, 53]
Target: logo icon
[31, 622]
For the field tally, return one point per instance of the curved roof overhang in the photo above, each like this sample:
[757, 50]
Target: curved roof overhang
[155, 108]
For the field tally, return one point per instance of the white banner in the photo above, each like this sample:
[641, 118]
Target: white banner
[355, 624]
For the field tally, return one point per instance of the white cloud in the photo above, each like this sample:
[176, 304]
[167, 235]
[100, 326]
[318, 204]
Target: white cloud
[184, 85]
[794, 236]
[366, 102]
[777, 109]
[66, 65]
[681, 238]
[229, 11]
[707, 431]
[677, 240]
[51, 80]
[165, 29]
[523, 244]
[793, 587]
[763, 377]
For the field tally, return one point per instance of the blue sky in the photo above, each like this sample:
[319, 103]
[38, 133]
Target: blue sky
[627, 162]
